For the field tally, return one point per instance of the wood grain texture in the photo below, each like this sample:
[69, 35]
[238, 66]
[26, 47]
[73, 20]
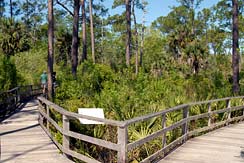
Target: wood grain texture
[220, 146]
[24, 141]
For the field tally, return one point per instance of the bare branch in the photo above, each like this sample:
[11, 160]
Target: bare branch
[66, 8]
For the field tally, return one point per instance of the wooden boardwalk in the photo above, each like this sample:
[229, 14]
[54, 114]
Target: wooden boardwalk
[219, 146]
[22, 140]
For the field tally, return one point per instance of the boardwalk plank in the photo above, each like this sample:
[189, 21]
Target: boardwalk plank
[220, 146]
[23, 140]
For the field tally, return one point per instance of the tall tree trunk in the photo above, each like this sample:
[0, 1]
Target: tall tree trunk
[11, 8]
[1, 8]
[50, 49]
[75, 35]
[235, 47]
[136, 36]
[27, 13]
[128, 32]
[192, 18]
[142, 32]
[84, 51]
[92, 32]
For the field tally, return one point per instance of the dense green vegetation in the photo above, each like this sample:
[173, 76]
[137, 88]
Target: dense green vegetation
[182, 57]
[98, 85]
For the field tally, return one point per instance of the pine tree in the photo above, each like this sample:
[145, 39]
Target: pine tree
[235, 47]
[50, 49]
[75, 35]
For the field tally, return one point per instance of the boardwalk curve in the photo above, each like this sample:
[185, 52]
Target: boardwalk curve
[24, 141]
[228, 110]
[19, 146]
[220, 146]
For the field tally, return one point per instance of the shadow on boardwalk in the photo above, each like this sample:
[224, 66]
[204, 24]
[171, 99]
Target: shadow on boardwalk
[22, 139]
[18, 108]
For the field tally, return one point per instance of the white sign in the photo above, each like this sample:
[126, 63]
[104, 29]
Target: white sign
[93, 112]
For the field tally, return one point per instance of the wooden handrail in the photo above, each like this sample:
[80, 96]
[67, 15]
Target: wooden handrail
[13, 97]
[10, 99]
[73, 115]
[123, 145]
[152, 115]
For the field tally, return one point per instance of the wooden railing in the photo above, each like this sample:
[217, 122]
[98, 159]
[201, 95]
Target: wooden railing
[212, 114]
[11, 99]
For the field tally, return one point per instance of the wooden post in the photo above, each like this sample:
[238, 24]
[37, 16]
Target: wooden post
[31, 93]
[209, 114]
[40, 119]
[66, 128]
[243, 109]
[228, 105]
[17, 95]
[122, 141]
[0, 149]
[48, 115]
[243, 112]
[185, 125]
[163, 126]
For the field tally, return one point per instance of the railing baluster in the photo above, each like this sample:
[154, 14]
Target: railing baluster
[40, 119]
[210, 115]
[66, 128]
[243, 109]
[122, 141]
[243, 112]
[163, 126]
[185, 125]
[228, 105]
[31, 91]
[16, 97]
[48, 115]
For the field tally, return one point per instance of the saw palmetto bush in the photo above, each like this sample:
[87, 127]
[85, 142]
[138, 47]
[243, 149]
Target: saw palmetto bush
[13, 37]
[124, 96]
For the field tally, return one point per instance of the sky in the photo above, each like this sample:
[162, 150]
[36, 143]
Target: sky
[157, 8]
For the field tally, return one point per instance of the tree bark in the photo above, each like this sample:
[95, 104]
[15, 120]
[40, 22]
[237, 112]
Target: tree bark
[235, 47]
[75, 35]
[11, 8]
[27, 11]
[1, 8]
[128, 32]
[136, 37]
[84, 51]
[92, 32]
[142, 33]
[50, 49]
